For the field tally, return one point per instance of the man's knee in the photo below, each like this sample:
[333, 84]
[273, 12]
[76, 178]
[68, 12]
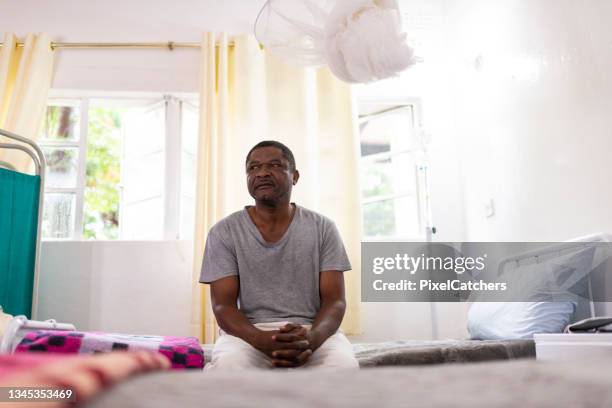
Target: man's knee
[336, 352]
[231, 353]
[235, 360]
[338, 359]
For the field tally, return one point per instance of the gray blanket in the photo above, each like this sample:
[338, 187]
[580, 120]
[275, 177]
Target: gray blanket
[415, 352]
[521, 383]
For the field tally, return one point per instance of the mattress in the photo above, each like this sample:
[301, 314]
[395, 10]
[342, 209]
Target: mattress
[417, 352]
[499, 384]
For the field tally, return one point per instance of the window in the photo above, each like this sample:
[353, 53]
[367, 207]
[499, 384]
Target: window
[119, 167]
[393, 171]
[61, 143]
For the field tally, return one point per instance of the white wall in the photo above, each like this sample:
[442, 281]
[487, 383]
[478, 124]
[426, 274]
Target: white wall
[127, 21]
[135, 287]
[533, 96]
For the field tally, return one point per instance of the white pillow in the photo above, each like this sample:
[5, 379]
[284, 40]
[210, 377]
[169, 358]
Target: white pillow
[536, 282]
[517, 320]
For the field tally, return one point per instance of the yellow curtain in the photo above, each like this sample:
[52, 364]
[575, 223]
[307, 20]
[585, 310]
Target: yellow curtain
[214, 72]
[25, 78]
[247, 96]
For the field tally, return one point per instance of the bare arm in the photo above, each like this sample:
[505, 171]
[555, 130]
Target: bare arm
[333, 305]
[224, 296]
[326, 323]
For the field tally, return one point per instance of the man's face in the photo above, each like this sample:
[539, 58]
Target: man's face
[269, 178]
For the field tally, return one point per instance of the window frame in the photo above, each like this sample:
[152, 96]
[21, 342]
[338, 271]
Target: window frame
[420, 187]
[172, 153]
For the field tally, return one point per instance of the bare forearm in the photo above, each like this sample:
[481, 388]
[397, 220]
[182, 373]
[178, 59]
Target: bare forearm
[326, 322]
[234, 322]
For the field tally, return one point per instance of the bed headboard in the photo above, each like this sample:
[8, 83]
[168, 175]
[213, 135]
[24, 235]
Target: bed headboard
[585, 308]
[33, 150]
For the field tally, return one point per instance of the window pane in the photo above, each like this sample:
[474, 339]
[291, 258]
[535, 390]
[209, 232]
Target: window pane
[371, 142]
[397, 218]
[62, 121]
[145, 130]
[189, 135]
[376, 181]
[189, 129]
[378, 220]
[407, 219]
[388, 132]
[143, 220]
[101, 206]
[62, 167]
[58, 215]
[188, 174]
[144, 173]
[390, 151]
[143, 178]
[389, 176]
[187, 217]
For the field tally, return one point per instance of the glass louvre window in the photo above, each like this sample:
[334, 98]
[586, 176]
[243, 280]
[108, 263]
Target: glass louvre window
[60, 142]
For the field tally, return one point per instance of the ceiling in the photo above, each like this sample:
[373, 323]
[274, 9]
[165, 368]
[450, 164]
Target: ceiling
[69, 20]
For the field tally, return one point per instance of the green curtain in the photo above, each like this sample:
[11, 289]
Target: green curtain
[19, 194]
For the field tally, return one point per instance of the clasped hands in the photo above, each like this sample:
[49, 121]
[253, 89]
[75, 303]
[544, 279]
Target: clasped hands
[289, 346]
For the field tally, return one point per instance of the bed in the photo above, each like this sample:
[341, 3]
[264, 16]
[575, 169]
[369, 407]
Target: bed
[21, 206]
[506, 384]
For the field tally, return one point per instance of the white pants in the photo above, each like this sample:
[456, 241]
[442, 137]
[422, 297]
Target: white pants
[233, 353]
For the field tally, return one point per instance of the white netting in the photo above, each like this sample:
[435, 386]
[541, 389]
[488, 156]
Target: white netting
[360, 40]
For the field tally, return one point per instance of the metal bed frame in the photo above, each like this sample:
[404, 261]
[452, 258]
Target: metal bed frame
[559, 249]
[36, 154]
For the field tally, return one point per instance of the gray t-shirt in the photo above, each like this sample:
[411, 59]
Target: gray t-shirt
[278, 281]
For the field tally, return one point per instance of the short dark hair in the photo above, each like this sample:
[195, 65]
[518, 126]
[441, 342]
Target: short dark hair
[287, 153]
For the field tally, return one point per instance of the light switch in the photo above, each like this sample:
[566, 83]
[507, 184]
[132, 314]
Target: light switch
[489, 208]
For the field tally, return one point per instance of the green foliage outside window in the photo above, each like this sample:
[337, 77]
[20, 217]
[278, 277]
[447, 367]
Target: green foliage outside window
[378, 217]
[101, 214]
[61, 123]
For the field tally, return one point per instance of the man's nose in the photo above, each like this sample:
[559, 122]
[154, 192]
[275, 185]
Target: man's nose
[264, 170]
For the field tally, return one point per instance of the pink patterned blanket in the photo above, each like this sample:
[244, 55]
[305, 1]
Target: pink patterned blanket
[183, 352]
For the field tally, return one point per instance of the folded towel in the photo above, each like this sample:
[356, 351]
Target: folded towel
[183, 352]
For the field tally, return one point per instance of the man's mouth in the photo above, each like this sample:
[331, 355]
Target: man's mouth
[264, 185]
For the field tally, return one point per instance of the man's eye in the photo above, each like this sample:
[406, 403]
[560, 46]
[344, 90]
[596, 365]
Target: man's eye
[277, 165]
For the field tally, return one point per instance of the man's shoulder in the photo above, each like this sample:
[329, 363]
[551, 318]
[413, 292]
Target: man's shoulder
[313, 216]
[226, 223]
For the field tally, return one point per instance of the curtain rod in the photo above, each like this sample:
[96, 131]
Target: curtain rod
[171, 45]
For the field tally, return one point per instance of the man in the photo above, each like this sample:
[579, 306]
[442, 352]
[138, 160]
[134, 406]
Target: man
[276, 275]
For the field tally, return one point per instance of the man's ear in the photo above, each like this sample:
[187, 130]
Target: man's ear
[296, 177]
